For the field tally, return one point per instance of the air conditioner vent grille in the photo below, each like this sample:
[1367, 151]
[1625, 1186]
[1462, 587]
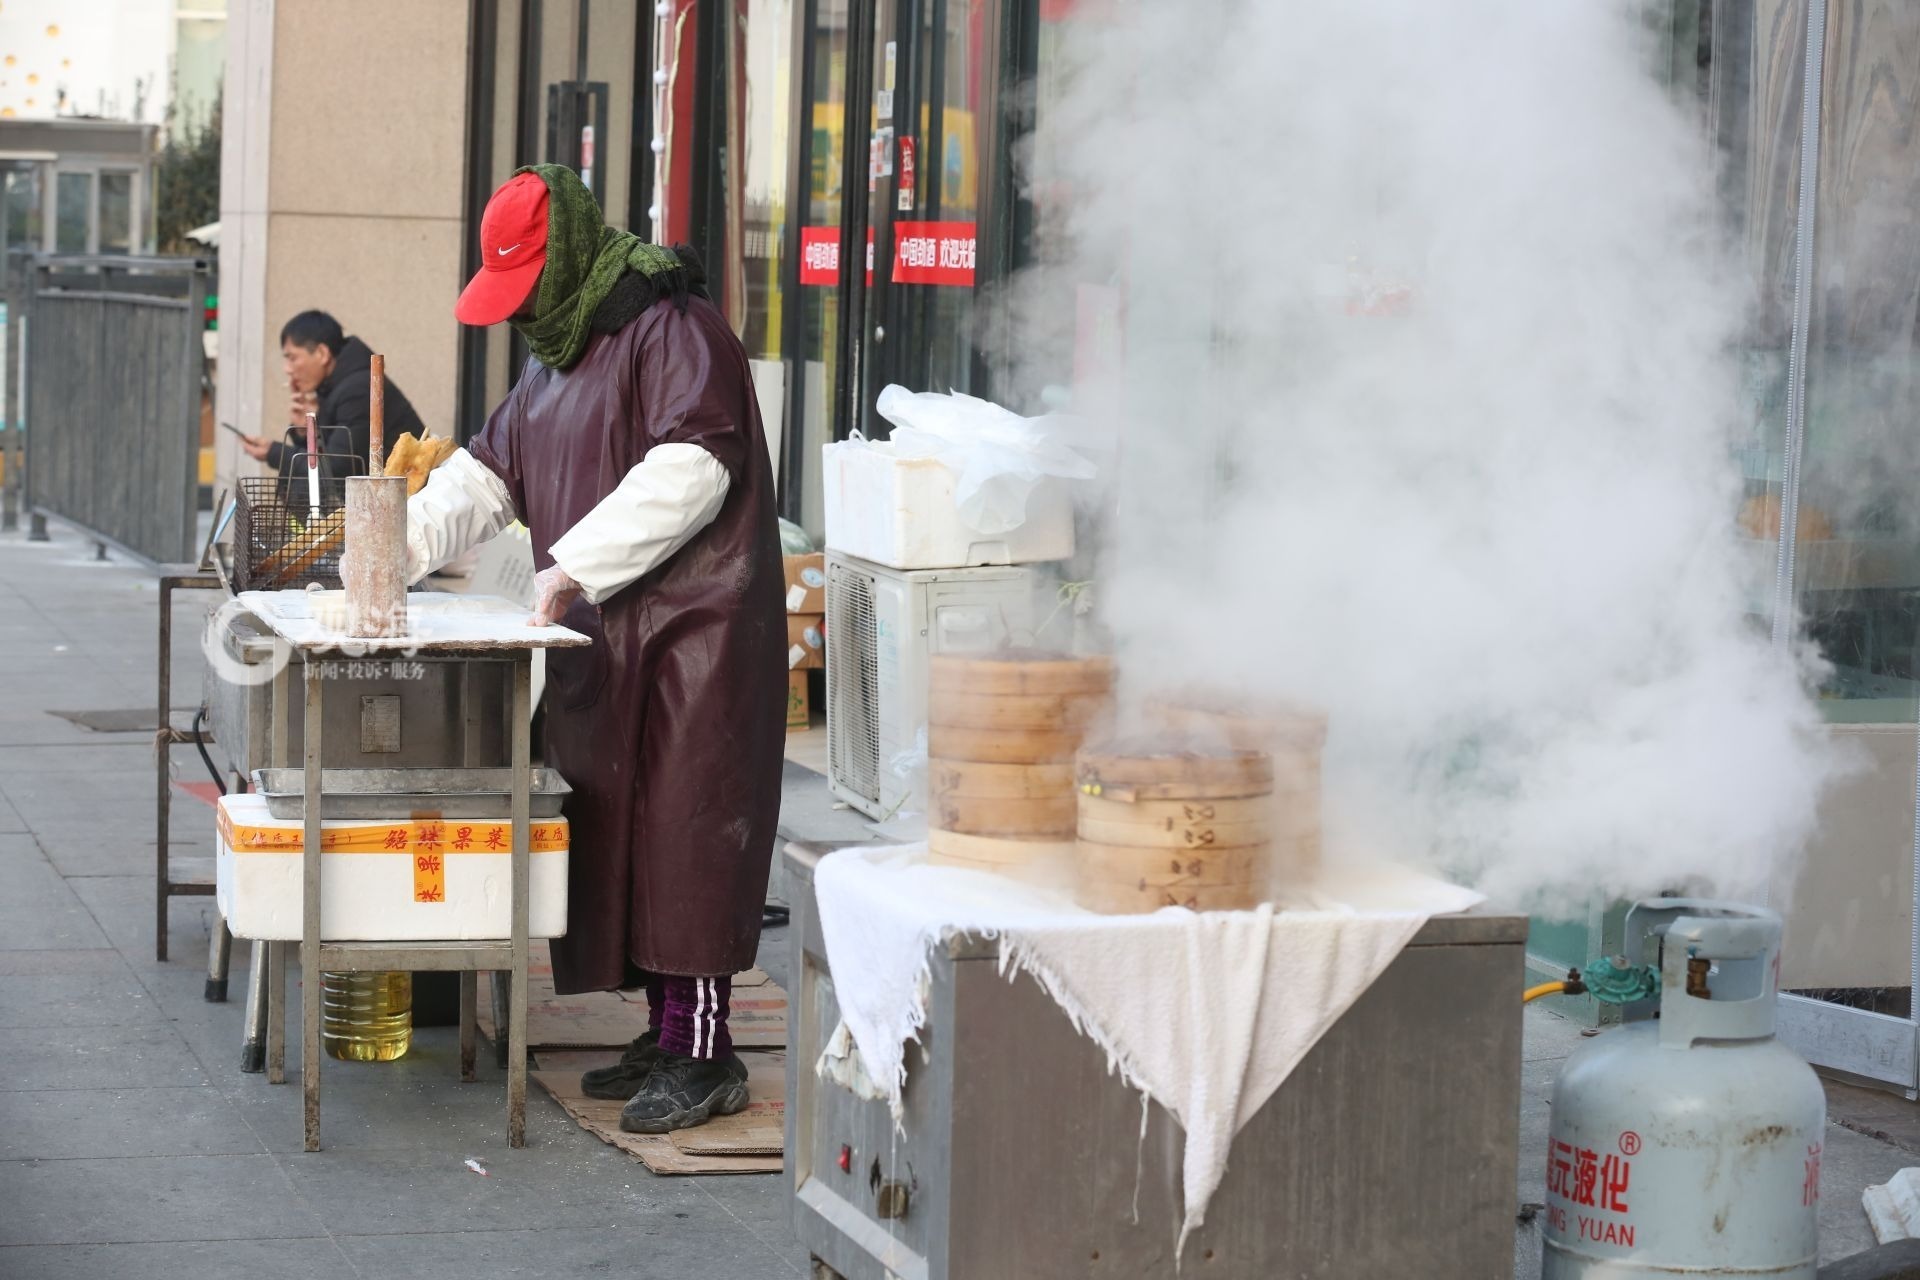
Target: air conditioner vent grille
[853, 681]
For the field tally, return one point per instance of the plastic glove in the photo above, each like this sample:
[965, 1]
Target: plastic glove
[553, 590]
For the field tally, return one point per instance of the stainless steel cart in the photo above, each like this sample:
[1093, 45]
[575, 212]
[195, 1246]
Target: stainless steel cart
[1390, 1151]
[476, 629]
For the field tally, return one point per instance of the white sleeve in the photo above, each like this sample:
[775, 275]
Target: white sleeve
[462, 504]
[674, 493]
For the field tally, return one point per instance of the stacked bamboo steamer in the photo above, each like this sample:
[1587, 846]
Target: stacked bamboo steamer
[1159, 827]
[1294, 737]
[1002, 732]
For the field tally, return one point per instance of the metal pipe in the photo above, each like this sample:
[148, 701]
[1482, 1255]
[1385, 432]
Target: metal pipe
[310, 846]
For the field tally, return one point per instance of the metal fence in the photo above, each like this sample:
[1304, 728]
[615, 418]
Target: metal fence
[112, 363]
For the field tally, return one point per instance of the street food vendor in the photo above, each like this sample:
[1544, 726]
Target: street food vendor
[631, 448]
[328, 375]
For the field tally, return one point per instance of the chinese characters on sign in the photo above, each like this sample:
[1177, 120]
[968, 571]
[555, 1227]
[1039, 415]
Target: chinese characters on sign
[935, 253]
[373, 670]
[820, 256]
[939, 253]
[1579, 1178]
[429, 878]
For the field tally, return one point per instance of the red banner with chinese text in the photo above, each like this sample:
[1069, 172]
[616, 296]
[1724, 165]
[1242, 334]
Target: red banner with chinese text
[820, 256]
[938, 253]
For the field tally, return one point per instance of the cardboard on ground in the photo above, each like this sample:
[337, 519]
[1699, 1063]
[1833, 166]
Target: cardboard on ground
[750, 1142]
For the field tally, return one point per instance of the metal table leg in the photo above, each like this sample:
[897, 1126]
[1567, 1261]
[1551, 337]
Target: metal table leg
[469, 1002]
[499, 984]
[219, 957]
[253, 1052]
[276, 1012]
[269, 1023]
[310, 914]
[522, 890]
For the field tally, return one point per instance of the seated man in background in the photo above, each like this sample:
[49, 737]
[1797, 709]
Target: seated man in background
[329, 374]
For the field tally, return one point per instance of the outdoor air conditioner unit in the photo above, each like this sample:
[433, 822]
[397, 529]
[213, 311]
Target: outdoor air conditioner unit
[882, 625]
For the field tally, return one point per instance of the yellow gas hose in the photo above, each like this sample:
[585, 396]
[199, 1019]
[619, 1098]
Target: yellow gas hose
[1544, 989]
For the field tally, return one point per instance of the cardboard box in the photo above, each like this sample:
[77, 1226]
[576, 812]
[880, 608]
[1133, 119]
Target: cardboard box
[799, 706]
[806, 583]
[806, 642]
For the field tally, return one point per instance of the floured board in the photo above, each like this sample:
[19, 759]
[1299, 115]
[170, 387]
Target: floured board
[436, 622]
[757, 1014]
[751, 1142]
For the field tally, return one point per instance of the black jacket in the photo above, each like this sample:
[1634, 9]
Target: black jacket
[343, 403]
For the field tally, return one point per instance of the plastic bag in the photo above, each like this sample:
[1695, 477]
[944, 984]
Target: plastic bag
[906, 823]
[794, 540]
[998, 457]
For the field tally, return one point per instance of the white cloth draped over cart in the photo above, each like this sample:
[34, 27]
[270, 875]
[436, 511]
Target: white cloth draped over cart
[1206, 1013]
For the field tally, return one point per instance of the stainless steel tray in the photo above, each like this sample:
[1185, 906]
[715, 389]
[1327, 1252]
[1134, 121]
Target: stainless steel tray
[405, 793]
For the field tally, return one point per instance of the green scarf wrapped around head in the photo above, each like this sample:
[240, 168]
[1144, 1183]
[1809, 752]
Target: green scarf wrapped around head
[585, 260]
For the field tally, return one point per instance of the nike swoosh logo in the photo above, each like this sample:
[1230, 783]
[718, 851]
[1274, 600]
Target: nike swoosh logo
[509, 249]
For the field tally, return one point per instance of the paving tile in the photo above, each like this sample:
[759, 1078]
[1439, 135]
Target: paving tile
[51, 752]
[123, 906]
[84, 1124]
[1849, 1163]
[71, 989]
[565, 1181]
[164, 1198]
[39, 910]
[315, 1258]
[363, 1108]
[655, 1249]
[116, 789]
[114, 1057]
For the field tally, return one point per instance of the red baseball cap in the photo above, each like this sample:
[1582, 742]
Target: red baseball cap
[513, 248]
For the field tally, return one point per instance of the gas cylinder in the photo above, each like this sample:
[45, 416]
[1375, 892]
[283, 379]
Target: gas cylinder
[1687, 1141]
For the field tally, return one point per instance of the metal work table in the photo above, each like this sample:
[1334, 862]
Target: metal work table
[1390, 1151]
[477, 627]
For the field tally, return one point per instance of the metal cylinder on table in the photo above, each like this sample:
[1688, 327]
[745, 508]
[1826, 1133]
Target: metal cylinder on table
[1293, 736]
[375, 567]
[1002, 732]
[375, 571]
[1165, 827]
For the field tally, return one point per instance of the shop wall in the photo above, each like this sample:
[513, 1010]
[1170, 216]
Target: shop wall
[1849, 910]
[341, 189]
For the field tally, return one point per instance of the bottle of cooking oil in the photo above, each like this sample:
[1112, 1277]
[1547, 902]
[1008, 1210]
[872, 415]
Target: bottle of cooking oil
[366, 1017]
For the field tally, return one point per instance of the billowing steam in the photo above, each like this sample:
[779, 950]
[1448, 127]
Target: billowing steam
[1425, 411]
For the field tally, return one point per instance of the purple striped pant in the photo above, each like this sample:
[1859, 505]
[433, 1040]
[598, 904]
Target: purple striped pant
[690, 1014]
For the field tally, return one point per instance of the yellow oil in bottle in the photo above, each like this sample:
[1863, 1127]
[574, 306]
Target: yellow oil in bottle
[366, 1017]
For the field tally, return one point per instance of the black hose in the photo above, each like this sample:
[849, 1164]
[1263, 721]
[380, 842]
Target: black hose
[200, 744]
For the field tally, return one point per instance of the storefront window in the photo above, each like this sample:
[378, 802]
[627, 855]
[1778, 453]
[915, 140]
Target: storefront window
[22, 200]
[116, 213]
[73, 210]
[762, 99]
[818, 269]
[1858, 554]
[929, 98]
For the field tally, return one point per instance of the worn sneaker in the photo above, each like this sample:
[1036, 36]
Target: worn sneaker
[623, 1079]
[683, 1092]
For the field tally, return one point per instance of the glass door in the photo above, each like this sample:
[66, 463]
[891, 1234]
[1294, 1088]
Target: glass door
[923, 199]
[1847, 530]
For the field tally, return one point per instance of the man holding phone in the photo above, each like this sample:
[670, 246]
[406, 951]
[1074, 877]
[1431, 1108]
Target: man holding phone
[329, 374]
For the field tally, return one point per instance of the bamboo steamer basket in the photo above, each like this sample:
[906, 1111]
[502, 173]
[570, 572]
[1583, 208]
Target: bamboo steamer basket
[1160, 827]
[1292, 736]
[1002, 732]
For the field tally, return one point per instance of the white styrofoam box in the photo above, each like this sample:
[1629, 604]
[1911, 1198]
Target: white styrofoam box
[900, 512]
[369, 888]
